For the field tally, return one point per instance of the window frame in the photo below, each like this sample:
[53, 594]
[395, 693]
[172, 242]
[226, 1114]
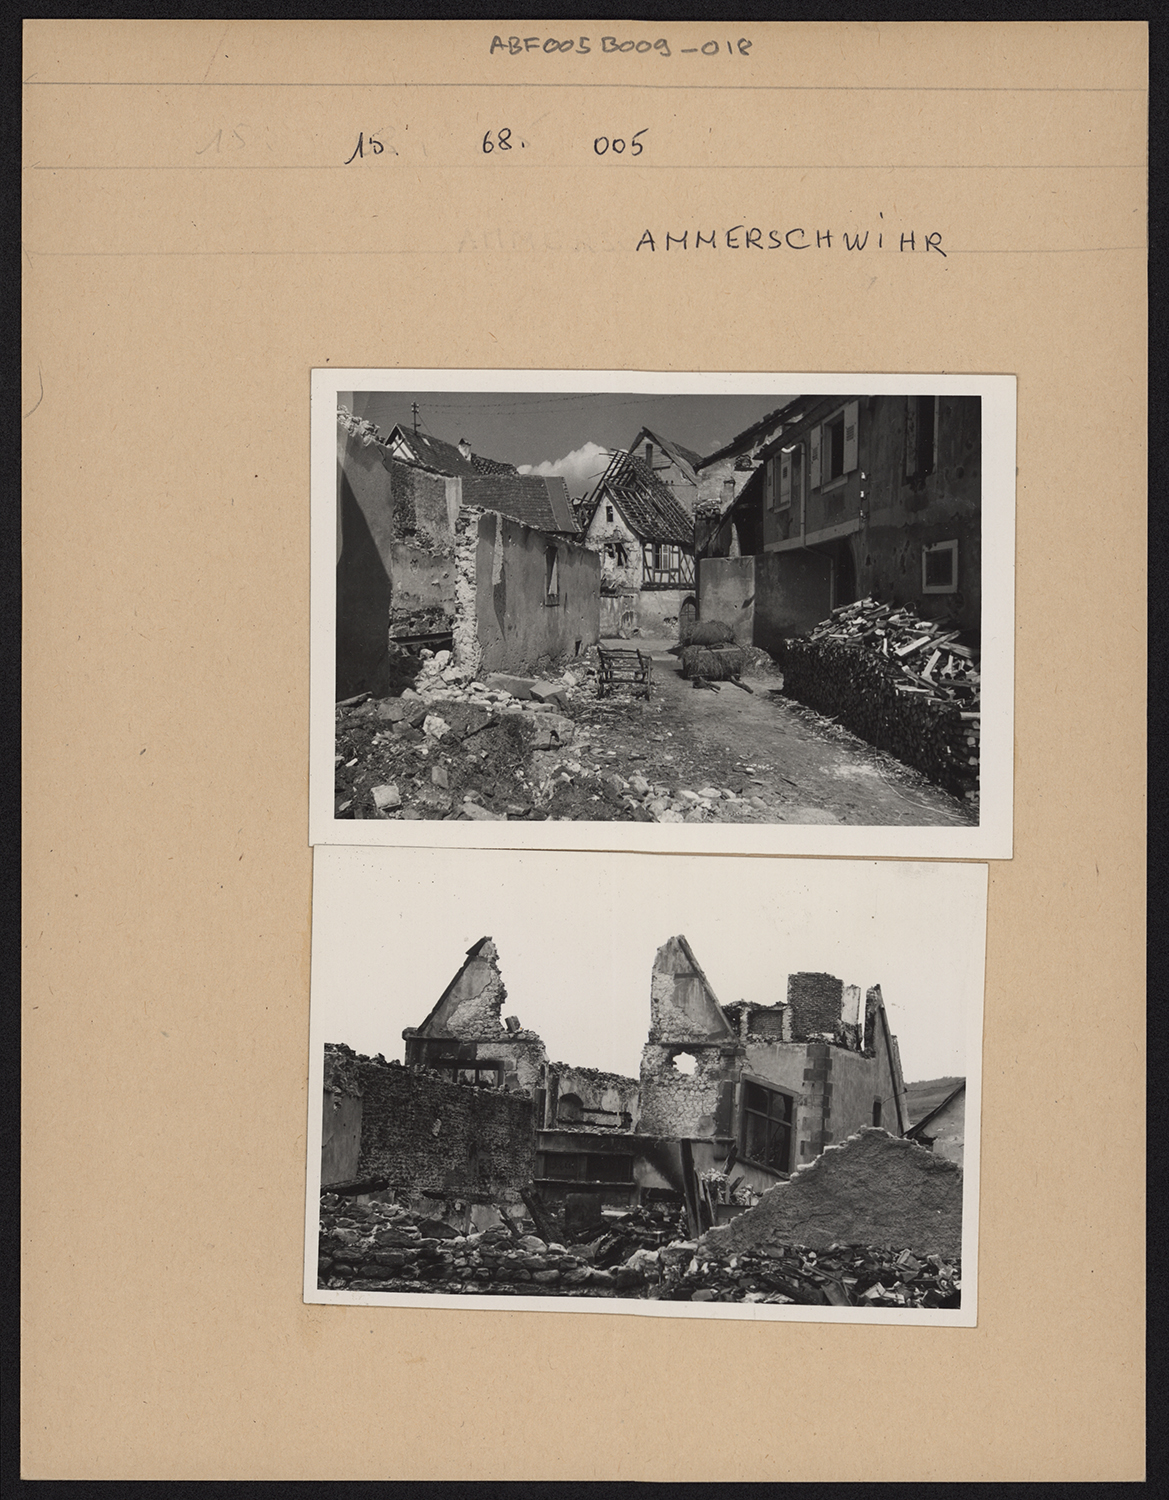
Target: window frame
[551, 577]
[747, 1113]
[939, 549]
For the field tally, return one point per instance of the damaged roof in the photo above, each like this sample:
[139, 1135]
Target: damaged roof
[647, 504]
[686, 459]
[533, 499]
[489, 483]
[430, 452]
[751, 438]
[926, 1100]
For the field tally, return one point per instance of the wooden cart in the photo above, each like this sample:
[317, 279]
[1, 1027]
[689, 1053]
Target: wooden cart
[631, 666]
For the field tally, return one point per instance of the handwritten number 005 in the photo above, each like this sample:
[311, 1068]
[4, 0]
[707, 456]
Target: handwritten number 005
[617, 145]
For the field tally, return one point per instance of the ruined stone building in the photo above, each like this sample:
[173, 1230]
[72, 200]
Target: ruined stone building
[741, 1093]
[439, 546]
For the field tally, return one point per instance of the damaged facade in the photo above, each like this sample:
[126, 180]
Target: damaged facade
[853, 496]
[438, 546]
[730, 1101]
[644, 537]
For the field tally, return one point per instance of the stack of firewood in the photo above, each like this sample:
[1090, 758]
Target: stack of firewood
[926, 655]
[903, 683]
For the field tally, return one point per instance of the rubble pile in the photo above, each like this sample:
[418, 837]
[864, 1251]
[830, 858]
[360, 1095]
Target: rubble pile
[905, 684]
[379, 1246]
[505, 748]
[840, 1276]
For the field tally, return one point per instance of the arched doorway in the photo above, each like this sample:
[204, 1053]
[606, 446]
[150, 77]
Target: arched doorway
[686, 618]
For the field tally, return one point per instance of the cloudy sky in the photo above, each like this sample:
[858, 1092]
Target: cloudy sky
[577, 934]
[564, 433]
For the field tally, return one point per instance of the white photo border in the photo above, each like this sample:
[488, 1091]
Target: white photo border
[992, 838]
[339, 871]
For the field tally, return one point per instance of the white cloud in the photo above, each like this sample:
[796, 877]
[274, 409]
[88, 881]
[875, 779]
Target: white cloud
[580, 469]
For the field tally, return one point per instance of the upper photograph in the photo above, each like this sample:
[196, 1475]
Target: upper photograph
[617, 610]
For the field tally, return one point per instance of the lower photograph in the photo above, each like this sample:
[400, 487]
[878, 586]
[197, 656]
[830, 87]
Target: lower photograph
[648, 1084]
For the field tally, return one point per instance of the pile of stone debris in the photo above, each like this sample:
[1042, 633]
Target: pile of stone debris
[379, 1246]
[504, 748]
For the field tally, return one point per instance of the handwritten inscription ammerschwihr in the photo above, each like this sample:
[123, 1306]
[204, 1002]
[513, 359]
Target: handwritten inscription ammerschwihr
[745, 237]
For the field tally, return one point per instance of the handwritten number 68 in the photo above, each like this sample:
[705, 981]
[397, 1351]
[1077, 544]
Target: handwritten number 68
[617, 145]
[502, 141]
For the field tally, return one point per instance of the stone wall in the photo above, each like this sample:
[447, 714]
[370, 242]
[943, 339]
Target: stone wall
[679, 1103]
[768, 598]
[815, 1004]
[520, 627]
[873, 1189]
[424, 1133]
[340, 1117]
[726, 592]
[588, 1096]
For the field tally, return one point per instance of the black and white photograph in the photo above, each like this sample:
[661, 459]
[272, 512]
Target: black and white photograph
[645, 1084]
[759, 615]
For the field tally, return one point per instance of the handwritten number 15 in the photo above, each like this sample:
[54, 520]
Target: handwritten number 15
[372, 145]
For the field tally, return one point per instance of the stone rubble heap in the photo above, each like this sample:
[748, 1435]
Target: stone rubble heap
[433, 758]
[379, 1246]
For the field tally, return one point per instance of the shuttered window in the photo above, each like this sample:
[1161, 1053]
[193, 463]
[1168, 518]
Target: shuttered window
[835, 446]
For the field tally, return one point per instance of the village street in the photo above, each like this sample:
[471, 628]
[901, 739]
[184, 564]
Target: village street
[787, 763]
[456, 749]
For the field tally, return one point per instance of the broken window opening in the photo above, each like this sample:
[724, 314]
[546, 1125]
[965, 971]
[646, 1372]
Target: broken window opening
[768, 1126]
[482, 1075]
[569, 1109]
[609, 514]
[685, 1062]
[876, 1111]
[551, 577]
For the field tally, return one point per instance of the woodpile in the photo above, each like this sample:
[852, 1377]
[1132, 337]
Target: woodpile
[905, 684]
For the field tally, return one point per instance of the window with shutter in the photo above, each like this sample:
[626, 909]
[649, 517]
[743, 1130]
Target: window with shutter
[851, 423]
[814, 458]
[785, 479]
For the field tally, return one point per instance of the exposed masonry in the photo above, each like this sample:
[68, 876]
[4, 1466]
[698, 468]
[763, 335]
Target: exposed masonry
[590, 1098]
[714, 1076]
[425, 1133]
[468, 653]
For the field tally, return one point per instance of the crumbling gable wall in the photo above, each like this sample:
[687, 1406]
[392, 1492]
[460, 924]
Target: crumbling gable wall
[686, 1022]
[425, 1134]
[466, 1026]
[872, 1189]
